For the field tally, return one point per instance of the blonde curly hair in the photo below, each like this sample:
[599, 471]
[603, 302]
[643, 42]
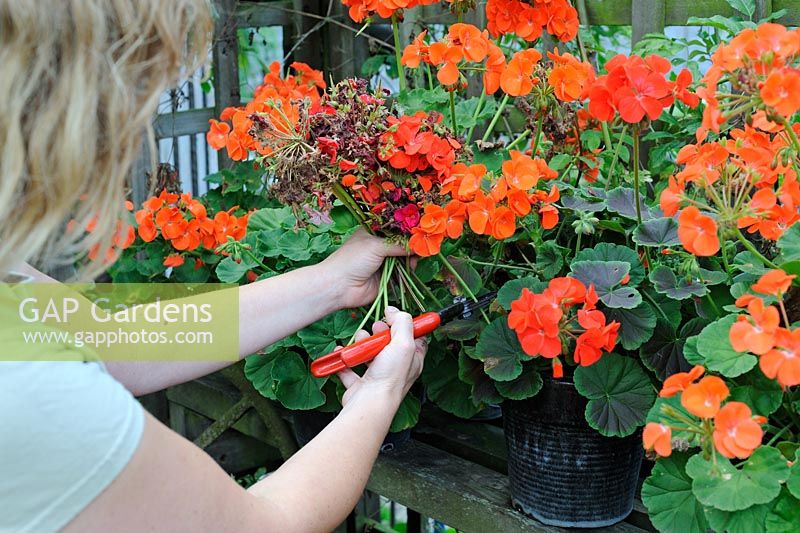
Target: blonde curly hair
[79, 85]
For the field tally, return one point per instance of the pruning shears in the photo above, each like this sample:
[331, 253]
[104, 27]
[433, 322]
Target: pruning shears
[367, 349]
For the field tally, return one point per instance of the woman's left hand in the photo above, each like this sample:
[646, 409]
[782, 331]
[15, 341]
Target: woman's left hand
[354, 267]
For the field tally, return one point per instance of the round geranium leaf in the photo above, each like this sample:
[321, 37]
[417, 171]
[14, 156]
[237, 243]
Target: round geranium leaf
[667, 494]
[512, 290]
[762, 394]
[527, 385]
[607, 277]
[749, 520]
[579, 203]
[666, 282]
[446, 390]
[296, 388]
[793, 483]
[483, 390]
[636, 325]
[607, 251]
[664, 353]
[407, 414]
[549, 259]
[714, 346]
[785, 514]
[619, 394]
[622, 201]
[657, 232]
[726, 487]
[258, 369]
[789, 244]
[499, 350]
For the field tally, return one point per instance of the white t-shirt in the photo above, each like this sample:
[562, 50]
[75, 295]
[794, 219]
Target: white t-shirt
[67, 429]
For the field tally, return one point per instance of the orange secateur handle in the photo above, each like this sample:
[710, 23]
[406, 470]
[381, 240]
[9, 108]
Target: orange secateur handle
[367, 349]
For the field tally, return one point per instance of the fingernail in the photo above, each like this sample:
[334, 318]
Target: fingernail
[392, 310]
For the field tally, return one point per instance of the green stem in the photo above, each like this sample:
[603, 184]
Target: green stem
[453, 112]
[614, 159]
[401, 74]
[752, 249]
[725, 261]
[481, 100]
[636, 174]
[578, 243]
[606, 135]
[458, 277]
[519, 139]
[343, 196]
[537, 135]
[503, 266]
[495, 118]
[713, 305]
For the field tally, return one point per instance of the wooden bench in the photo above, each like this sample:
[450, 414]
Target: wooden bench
[453, 470]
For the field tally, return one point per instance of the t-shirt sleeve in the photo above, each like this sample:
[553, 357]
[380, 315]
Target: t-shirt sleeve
[67, 429]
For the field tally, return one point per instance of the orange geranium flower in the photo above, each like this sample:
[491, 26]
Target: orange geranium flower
[698, 232]
[775, 282]
[502, 223]
[678, 382]
[569, 77]
[783, 361]
[174, 261]
[757, 336]
[704, 398]
[781, 91]
[658, 437]
[520, 172]
[518, 79]
[480, 212]
[425, 244]
[736, 434]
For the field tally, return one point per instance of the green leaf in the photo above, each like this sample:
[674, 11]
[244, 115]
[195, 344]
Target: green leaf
[446, 390]
[749, 520]
[258, 369]
[483, 390]
[785, 515]
[271, 218]
[714, 345]
[745, 7]
[407, 414]
[499, 350]
[728, 488]
[623, 202]
[664, 353]
[427, 268]
[296, 388]
[762, 394]
[512, 290]
[318, 339]
[229, 271]
[607, 251]
[748, 263]
[607, 276]
[668, 311]
[493, 159]
[373, 65]
[345, 323]
[527, 385]
[549, 259]
[657, 232]
[667, 494]
[636, 325]
[793, 483]
[665, 282]
[467, 273]
[465, 112]
[789, 244]
[677, 413]
[619, 394]
[343, 219]
[460, 329]
[293, 245]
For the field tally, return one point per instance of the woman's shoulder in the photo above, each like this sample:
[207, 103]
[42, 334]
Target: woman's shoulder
[69, 429]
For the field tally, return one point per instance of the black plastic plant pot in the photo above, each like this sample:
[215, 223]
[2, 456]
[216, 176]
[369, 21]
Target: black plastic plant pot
[563, 472]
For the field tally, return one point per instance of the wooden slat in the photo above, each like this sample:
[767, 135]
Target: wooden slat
[677, 12]
[647, 16]
[260, 14]
[461, 494]
[183, 122]
[225, 54]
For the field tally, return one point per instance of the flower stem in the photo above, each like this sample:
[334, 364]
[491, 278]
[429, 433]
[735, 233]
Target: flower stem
[537, 135]
[616, 156]
[496, 117]
[401, 75]
[462, 283]
[481, 100]
[752, 249]
[519, 139]
[636, 174]
[453, 112]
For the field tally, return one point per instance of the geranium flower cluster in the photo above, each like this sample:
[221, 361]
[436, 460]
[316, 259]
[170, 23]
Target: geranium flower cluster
[528, 20]
[569, 77]
[760, 332]
[360, 10]
[494, 212]
[463, 45]
[734, 432]
[276, 97]
[545, 322]
[183, 222]
[637, 87]
[760, 67]
[735, 183]
[123, 238]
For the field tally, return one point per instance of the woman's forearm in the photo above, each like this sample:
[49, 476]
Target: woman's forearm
[323, 481]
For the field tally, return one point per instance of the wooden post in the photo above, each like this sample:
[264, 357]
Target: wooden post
[225, 54]
[306, 38]
[647, 16]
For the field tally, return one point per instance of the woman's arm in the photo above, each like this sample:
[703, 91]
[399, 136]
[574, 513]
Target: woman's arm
[182, 489]
[274, 308]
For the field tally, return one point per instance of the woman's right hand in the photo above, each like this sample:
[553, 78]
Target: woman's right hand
[398, 365]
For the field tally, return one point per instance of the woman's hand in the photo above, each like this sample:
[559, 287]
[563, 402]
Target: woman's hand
[397, 367]
[353, 268]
